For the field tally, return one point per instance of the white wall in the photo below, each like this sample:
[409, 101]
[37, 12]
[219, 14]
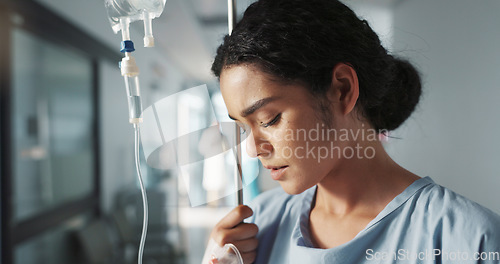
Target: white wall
[379, 17]
[453, 135]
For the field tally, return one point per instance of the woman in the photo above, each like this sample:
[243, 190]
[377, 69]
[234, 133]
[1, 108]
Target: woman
[314, 87]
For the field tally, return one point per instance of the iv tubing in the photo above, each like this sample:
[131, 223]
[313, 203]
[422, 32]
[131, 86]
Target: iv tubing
[144, 197]
[236, 251]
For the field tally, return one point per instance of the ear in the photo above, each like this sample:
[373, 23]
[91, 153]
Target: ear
[344, 89]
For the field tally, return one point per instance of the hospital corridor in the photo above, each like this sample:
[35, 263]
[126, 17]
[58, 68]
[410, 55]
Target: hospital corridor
[117, 145]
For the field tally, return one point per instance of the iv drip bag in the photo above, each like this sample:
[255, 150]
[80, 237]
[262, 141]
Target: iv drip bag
[132, 10]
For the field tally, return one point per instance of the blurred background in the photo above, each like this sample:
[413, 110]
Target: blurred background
[68, 186]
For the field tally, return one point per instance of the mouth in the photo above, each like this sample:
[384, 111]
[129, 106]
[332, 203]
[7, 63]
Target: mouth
[274, 167]
[277, 171]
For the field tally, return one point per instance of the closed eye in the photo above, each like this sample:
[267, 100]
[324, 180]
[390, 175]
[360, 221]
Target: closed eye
[272, 122]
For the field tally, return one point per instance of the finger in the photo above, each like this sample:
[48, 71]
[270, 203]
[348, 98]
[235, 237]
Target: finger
[247, 245]
[249, 257]
[236, 216]
[241, 232]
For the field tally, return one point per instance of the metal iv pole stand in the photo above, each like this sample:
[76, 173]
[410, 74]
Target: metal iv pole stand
[231, 8]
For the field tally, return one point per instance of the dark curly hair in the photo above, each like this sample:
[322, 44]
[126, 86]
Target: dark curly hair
[302, 40]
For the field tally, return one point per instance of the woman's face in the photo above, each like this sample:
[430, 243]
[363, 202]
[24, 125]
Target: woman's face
[285, 127]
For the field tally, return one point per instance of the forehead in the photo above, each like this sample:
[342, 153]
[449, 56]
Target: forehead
[244, 79]
[241, 86]
[244, 83]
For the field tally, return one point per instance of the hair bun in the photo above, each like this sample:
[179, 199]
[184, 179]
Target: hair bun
[402, 97]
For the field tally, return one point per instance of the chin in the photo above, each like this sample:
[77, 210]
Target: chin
[292, 188]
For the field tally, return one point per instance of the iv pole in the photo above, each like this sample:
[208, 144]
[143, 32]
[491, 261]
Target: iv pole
[238, 175]
[231, 8]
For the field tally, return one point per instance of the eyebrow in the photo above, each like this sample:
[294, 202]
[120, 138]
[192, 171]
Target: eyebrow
[255, 106]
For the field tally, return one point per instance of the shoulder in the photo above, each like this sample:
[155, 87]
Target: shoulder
[443, 202]
[455, 217]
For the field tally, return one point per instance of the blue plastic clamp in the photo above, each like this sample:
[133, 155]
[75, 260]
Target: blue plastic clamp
[127, 46]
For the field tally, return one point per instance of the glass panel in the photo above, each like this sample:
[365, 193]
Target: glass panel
[52, 125]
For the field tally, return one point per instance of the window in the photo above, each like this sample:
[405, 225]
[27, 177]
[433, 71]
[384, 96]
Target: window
[49, 165]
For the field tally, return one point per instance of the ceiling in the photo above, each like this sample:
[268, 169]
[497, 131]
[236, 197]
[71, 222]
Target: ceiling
[190, 30]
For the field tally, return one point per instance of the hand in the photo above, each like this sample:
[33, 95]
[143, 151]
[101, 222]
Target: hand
[231, 229]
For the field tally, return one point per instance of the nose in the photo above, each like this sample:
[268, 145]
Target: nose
[257, 146]
[251, 147]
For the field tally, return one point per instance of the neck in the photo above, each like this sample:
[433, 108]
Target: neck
[362, 186]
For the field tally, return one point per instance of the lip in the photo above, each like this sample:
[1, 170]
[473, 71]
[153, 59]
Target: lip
[277, 172]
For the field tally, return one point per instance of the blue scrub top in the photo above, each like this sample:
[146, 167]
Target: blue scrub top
[426, 223]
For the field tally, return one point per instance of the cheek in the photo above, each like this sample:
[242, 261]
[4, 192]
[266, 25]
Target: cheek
[308, 150]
